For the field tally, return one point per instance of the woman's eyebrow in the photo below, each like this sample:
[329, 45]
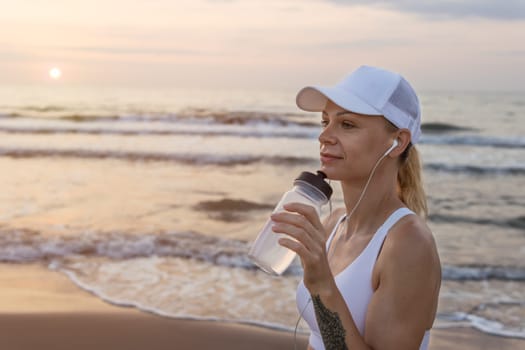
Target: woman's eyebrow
[338, 114]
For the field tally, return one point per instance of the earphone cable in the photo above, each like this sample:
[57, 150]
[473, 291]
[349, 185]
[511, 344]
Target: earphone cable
[346, 219]
[297, 324]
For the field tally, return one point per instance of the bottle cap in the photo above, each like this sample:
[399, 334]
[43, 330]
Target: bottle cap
[317, 181]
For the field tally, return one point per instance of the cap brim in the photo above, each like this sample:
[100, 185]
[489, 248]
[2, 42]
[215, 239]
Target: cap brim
[314, 98]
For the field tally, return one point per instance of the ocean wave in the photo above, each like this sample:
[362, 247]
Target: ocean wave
[295, 130]
[44, 108]
[230, 160]
[516, 222]
[194, 159]
[21, 245]
[203, 115]
[197, 290]
[303, 133]
[475, 170]
[438, 131]
[481, 273]
[244, 117]
[195, 115]
[209, 122]
[485, 325]
[179, 288]
[474, 140]
[438, 128]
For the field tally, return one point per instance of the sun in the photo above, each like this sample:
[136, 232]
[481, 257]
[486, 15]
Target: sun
[55, 73]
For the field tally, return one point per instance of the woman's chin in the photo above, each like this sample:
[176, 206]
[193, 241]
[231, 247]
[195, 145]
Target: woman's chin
[329, 172]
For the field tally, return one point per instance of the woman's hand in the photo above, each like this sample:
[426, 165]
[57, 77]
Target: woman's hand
[301, 222]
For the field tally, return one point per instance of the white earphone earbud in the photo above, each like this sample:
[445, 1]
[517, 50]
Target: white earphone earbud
[394, 145]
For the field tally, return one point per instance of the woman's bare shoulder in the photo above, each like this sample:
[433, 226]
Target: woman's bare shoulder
[411, 230]
[412, 241]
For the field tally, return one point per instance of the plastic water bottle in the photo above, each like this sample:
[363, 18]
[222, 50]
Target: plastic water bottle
[266, 252]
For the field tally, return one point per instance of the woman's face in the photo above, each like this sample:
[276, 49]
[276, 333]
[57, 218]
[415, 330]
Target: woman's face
[351, 144]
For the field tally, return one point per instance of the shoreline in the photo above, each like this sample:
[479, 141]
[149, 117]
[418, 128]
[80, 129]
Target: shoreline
[40, 308]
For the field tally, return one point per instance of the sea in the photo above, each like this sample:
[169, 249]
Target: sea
[151, 197]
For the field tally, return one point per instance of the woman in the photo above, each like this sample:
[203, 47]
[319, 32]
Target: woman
[371, 270]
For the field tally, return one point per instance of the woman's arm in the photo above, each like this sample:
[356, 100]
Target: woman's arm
[337, 327]
[408, 281]
[403, 306]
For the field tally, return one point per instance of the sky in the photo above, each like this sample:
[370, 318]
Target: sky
[269, 44]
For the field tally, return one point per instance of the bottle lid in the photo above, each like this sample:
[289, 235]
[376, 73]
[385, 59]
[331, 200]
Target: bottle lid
[317, 181]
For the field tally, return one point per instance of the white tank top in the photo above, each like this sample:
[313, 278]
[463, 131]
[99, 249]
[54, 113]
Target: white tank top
[356, 295]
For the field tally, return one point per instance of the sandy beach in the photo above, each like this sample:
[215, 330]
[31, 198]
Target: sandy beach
[43, 309]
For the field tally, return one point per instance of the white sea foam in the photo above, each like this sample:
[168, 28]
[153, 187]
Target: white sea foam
[27, 246]
[188, 288]
[182, 288]
[18, 245]
[462, 319]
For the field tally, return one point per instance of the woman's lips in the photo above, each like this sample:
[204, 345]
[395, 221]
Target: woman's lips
[327, 157]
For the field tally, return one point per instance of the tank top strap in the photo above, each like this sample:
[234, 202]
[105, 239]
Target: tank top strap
[331, 237]
[382, 232]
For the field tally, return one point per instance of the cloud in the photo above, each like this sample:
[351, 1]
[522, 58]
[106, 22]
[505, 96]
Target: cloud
[14, 54]
[491, 9]
[370, 43]
[133, 51]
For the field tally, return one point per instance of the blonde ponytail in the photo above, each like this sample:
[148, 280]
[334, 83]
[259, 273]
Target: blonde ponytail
[410, 183]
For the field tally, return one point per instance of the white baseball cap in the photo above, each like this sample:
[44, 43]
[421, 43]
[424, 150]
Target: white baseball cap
[371, 91]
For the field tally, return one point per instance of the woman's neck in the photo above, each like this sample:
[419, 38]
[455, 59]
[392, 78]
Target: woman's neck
[379, 200]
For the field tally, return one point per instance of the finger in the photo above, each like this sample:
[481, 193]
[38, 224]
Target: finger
[307, 257]
[293, 219]
[316, 236]
[307, 211]
[295, 232]
[309, 260]
[294, 246]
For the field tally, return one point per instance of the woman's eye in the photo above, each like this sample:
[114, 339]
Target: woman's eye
[324, 123]
[347, 125]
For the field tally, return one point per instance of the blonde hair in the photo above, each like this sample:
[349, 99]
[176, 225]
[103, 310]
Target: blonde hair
[409, 178]
[410, 182]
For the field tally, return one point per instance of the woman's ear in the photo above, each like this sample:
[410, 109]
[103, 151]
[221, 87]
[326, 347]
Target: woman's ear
[403, 140]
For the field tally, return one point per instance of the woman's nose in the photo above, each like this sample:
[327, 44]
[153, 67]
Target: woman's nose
[326, 136]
